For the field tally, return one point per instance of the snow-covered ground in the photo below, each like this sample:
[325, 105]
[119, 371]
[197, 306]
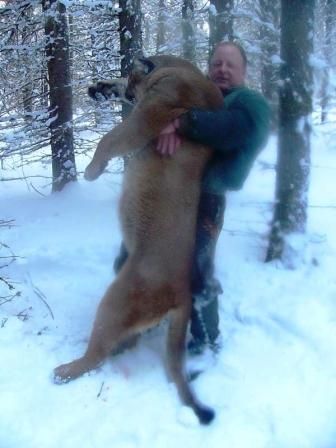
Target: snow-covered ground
[273, 385]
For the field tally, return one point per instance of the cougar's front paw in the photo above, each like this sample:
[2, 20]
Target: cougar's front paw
[105, 90]
[94, 170]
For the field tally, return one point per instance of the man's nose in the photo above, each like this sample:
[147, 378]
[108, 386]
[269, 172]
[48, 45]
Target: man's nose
[223, 67]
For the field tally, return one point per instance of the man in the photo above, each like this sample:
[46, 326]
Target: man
[236, 132]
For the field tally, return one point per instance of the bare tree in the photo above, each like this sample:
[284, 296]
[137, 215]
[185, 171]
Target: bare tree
[27, 91]
[293, 165]
[60, 94]
[330, 17]
[161, 26]
[269, 13]
[188, 32]
[130, 31]
[220, 21]
[6, 258]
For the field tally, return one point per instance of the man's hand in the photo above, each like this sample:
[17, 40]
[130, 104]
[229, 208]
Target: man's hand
[169, 141]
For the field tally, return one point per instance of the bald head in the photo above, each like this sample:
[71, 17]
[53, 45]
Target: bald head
[228, 66]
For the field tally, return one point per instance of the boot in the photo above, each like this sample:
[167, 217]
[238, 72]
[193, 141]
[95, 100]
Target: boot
[204, 326]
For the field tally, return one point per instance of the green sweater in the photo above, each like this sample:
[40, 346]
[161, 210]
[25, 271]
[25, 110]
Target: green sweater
[237, 132]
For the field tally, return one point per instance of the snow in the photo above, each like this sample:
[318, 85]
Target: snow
[317, 62]
[272, 384]
[212, 9]
[276, 60]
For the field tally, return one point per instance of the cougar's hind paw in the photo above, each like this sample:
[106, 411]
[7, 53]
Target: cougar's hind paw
[61, 375]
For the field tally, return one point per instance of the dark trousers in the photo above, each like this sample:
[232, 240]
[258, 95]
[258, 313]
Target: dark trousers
[205, 287]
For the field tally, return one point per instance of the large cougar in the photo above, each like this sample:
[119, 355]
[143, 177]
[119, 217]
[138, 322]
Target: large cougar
[158, 211]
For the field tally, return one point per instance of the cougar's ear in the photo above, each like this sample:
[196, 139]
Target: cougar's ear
[148, 64]
[143, 65]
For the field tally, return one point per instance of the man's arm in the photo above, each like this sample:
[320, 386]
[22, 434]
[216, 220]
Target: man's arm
[243, 119]
[222, 129]
[244, 122]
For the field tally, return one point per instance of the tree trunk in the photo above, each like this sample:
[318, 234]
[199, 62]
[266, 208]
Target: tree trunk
[330, 16]
[220, 22]
[161, 26]
[60, 94]
[270, 47]
[27, 90]
[188, 32]
[290, 214]
[130, 38]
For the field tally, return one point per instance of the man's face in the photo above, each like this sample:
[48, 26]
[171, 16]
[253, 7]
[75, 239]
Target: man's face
[227, 69]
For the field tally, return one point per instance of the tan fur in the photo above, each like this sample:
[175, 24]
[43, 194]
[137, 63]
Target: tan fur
[158, 212]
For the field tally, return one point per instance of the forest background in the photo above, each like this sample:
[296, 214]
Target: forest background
[273, 383]
[50, 51]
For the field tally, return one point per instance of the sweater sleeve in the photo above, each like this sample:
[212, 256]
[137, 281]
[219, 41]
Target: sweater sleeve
[244, 120]
[237, 132]
[223, 129]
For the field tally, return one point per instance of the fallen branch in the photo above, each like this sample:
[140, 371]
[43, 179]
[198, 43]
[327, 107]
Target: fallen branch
[7, 299]
[100, 390]
[42, 297]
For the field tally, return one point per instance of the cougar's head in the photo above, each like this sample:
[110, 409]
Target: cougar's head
[137, 77]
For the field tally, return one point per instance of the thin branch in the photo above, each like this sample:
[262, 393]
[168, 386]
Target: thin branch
[42, 297]
[7, 299]
[8, 179]
[38, 191]
[101, 389]
[6, 282]
[6, 223]
[322, 206]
